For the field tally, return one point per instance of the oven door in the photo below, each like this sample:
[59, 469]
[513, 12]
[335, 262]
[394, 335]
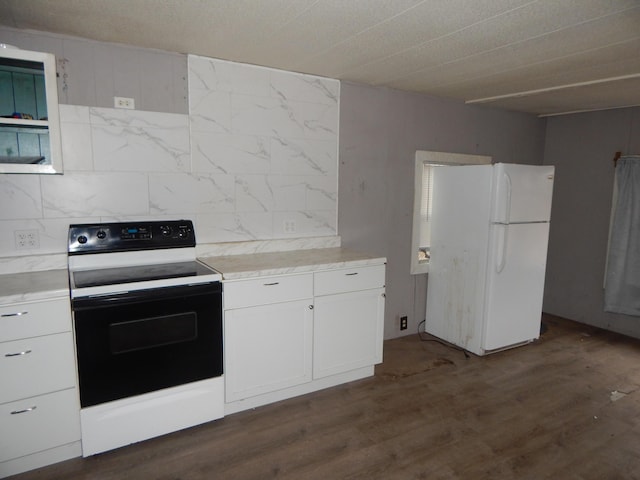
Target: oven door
[137, 342]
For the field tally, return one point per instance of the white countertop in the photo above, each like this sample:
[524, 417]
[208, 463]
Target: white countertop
[30, 286]
[42, 285]
[234, 267]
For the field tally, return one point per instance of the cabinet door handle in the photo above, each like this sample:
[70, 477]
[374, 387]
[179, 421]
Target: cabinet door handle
[16, 314]
[17, 354]
[310, 307]
[349, 274]
[30, 409]
[271, 284]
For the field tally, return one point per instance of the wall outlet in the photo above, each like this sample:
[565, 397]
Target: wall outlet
[27, 239]
[289, 226]
[403, 323]
[124, 102]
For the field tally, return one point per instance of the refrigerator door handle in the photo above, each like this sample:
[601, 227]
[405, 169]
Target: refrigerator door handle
[508, 205]
[502, 259]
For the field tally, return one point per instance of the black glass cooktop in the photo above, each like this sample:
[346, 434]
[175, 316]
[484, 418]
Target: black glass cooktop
[139, 273]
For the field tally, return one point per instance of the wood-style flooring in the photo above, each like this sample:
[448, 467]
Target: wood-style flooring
[565, 407]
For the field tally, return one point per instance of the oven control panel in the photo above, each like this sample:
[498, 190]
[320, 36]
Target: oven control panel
[129, 236]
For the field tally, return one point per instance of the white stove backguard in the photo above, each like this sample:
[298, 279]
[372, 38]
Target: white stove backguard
[125, 259]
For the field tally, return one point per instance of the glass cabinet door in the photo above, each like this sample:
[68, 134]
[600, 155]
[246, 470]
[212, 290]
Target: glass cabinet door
[29, 121]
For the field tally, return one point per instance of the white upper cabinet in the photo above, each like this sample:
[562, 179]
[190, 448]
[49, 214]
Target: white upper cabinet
[29, 121]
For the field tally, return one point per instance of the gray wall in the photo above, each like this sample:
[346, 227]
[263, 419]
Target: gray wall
[380, 131]
[582, 147]
[92, 73]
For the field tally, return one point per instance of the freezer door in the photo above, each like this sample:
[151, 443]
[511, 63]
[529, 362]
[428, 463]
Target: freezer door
[522, 193]
[515, 284]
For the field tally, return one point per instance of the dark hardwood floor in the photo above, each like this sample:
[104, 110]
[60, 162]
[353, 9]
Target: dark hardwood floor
[542, 411]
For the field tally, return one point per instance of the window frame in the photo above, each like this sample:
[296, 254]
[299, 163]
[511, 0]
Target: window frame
[424, 157]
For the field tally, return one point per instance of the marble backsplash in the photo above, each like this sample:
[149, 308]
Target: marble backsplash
[254, 161]
[56, 261]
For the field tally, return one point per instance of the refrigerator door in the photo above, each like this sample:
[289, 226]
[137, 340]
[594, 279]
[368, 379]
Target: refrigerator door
[459, 246]
[515, 284]
[522, 193]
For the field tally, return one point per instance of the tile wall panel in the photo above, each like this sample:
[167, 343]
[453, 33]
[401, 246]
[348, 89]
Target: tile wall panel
[227, 153]
[276, 132]
[125, 140]
[20, 197]
[256, 155]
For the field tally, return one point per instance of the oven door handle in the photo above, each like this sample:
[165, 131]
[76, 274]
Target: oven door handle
[140, 296]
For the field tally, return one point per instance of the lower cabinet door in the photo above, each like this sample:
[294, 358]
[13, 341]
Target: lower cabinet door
[348, 331]
[38, 423]
[267, 348]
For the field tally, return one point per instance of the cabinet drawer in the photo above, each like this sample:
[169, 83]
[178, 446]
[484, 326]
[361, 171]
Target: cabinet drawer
[266, 290]
[35, 424]
[37, 365]
[23, 320]
[348, 280]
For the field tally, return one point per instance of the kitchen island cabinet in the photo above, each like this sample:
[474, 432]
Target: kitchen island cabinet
[39, 405]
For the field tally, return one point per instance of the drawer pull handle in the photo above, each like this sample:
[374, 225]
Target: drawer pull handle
[17, 354]
[271, 284]
[17, 314]
[349, 274]
[30, 409]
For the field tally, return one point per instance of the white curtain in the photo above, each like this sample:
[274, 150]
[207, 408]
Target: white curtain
[622, 282]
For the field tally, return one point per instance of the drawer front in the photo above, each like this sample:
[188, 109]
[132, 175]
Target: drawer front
[35, 366]
[349, 280]
[266, 290]
[23, 320]
[39, 423]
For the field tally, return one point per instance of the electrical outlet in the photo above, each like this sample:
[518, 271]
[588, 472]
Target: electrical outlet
[403, 323]
[124, 102]
[289, 226]
[27, 239]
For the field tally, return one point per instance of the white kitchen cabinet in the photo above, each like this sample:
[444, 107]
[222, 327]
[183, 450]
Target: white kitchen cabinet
[287, 335]
[39, 405]
[29, 122]
[348, 319]
[268, 334]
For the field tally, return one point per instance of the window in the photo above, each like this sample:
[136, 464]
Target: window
[426, 204]
[425, 164]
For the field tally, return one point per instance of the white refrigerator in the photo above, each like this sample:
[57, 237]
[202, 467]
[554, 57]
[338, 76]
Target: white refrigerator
[489, 234]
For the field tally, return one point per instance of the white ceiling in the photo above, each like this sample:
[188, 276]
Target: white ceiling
[538, 56]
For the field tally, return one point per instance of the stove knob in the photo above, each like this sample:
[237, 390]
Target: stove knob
[101, 234]
[165, 230]
[82, 239]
